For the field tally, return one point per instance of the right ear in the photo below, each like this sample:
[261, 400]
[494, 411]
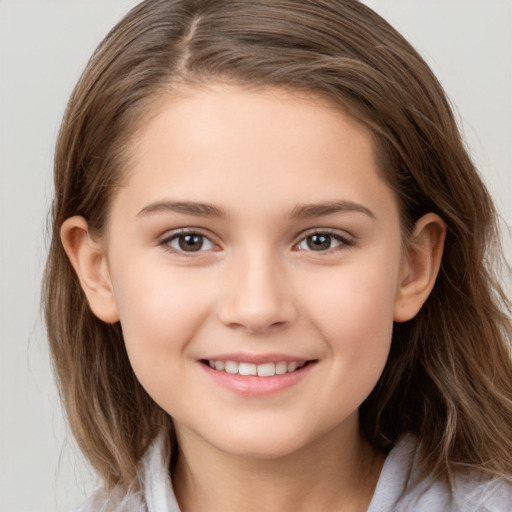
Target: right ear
[88, 258]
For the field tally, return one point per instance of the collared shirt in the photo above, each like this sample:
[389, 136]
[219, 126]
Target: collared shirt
[398, 489]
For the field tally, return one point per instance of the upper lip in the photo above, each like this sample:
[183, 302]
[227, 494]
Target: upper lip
[257, 358]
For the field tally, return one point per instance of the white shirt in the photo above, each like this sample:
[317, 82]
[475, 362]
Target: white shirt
[396, 490]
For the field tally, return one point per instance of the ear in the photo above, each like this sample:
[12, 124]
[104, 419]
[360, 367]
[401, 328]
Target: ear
[420, 266]
[90, 263]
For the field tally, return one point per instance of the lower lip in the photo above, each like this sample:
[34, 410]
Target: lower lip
[252, 385]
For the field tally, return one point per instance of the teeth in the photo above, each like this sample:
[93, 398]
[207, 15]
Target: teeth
[247, 369]
[231, 367]
[261, 370]
[281, 368]
[292, 367]
[266, 370]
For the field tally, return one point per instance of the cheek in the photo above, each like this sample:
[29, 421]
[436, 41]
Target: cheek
[352, 309]
[362, 301]
[160, 311]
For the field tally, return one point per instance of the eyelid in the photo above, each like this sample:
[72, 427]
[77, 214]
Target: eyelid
[171, 235]
[346, 240]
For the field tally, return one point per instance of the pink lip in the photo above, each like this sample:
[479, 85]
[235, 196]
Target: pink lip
[254, 386]
[256, 359]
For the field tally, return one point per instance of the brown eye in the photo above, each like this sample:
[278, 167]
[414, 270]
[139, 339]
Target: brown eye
[322, 241]
[319, 242]
[190, 242]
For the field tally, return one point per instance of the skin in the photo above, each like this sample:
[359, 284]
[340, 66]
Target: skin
[256, 287]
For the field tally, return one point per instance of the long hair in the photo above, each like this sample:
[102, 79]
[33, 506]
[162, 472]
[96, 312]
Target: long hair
[449, 374]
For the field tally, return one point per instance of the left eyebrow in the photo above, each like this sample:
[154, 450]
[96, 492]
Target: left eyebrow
[306, 211]
[184, 207]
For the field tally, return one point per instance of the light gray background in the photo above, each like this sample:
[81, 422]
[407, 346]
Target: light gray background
[44, 45]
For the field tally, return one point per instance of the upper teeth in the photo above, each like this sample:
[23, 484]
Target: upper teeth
[262, 370]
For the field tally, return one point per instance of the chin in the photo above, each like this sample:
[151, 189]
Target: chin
[266, 449]
[264, 444]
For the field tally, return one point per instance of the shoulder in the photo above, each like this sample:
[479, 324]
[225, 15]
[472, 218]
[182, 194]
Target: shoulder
[399, 488]
[155, 493]
[475, 494]
[113, 501]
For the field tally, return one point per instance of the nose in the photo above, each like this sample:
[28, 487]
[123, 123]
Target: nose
[257, 297]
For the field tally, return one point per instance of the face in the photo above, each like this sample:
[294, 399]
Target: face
[254, 234]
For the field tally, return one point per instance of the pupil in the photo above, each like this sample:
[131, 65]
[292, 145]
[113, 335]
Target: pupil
[319, 242]
[191, 242]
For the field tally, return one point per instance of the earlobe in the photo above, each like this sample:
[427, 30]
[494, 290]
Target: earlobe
[422, 261]
[90, 264]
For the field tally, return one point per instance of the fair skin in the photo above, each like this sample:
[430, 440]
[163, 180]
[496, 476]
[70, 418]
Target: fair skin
[292, 254]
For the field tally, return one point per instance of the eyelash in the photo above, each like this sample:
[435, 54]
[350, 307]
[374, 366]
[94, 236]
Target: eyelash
[165, 242]
[344, 242]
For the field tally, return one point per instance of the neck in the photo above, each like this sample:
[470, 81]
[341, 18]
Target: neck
[331, 474]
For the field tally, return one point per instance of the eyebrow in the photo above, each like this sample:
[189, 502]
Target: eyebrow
[306, 211]
[184, 207]
[300, 211]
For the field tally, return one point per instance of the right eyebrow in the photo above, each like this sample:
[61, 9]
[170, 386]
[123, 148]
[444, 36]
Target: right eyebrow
[183, 207]
[305, 211]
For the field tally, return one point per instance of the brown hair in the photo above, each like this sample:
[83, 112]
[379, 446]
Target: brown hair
[449, 374]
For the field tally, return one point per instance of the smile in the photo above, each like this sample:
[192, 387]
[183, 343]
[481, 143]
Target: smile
[256, 378]
[261, 370]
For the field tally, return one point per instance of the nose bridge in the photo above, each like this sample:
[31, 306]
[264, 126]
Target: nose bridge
[257, 296]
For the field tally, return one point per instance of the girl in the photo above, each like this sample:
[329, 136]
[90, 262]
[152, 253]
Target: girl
[270, 284]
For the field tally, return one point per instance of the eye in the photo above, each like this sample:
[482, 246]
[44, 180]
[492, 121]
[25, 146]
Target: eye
[189, 242]
[322, 241]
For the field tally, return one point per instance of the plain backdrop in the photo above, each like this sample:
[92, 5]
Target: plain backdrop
[44, 45]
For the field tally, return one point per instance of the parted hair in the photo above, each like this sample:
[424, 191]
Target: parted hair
[448, 377]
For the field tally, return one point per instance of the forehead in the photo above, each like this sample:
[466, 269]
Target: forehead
[267, 146]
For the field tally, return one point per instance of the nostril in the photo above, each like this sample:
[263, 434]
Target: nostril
[256, 303]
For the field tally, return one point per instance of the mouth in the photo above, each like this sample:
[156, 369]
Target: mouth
[257, 376]
[269, 369]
